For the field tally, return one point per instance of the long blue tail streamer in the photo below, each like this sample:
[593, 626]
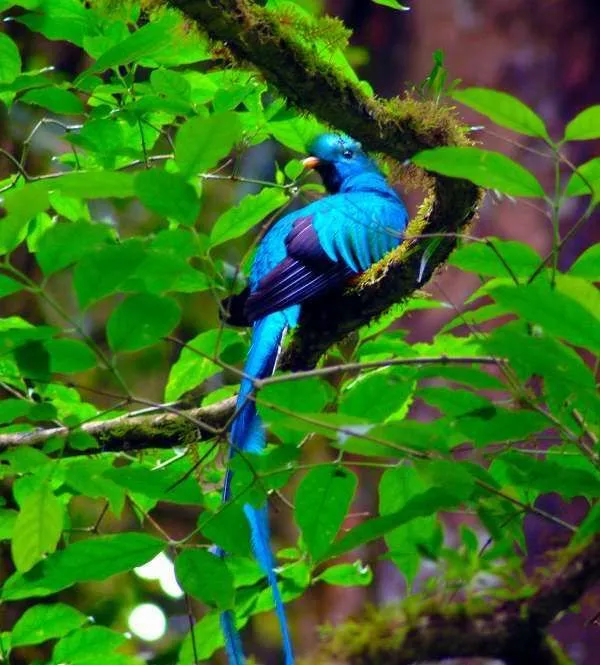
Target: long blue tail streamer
[247, 435]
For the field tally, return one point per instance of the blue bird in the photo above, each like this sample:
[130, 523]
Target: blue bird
[306, 253]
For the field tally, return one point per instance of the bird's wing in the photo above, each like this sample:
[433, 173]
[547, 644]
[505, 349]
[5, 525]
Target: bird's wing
[340, 238]
[305, 272]
[371, 227]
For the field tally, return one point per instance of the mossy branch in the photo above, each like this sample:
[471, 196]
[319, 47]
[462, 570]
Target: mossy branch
[128, 433]
[513, 631]
[398, 128]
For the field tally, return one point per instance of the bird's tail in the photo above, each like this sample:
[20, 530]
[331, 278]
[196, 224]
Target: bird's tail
[247, 435]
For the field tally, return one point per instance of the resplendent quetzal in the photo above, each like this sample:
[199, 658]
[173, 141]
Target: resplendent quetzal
[309, 251]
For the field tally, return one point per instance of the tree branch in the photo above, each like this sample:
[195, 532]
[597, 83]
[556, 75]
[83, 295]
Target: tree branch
[129, 433]
[512, 631]
[398, 128]
[179, 424]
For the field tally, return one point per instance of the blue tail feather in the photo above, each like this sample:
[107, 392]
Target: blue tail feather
[233, 644]
[247, 435]
[259, 524]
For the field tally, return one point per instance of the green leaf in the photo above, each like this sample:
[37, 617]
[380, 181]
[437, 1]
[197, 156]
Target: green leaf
[202, 641]
[81, 440]
[187, 47]
[393, 314]
[91, 559]
[69, 355]
[10, 59]
[322, 501]
[251, 210]
[554, 474]
[228, 528]
[470, 376]
[587, 265]
[206, 577]
[455, 477]
[65, 20]
[293, 131]
[7, 523]
[12, 232]
[95, 184]
[191, 369]
[393, 438]
[492, 425]
[202, 142]
[171, 84]
[485, 168]
[168, 195]
[453, 401]
[141, 320]
[162, 271]
[46, 622]
[556, 312]
[474, 317]
[88, 646]
[86, 476]
[149, 40]
[394, 4]
[37, 529]
[12, 408]
[15, 332]
[70, 207]
[516, 258]
[276, 402]
[503, 109]
[103, 136]
[100, 273]
[227, 99]
[420, 505]
[567, 379]
[347, 574]
[8, 286]
[590, 525]
[586, 180]
[22, 204]
[379, 395]
[54, 99]
[397, 488]
[167, 484]
[63, 244]
[25, 81]
[584, 126]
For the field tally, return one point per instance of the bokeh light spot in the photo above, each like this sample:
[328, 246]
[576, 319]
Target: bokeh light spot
[148, 622]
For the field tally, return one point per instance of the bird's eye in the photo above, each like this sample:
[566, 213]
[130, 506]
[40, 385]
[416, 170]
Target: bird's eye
[347, 153]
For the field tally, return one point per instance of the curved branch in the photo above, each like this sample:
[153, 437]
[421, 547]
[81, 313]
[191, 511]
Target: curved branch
[398, 128]
[512, 631]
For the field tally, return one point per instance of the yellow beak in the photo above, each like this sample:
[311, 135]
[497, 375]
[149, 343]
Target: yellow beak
[311, 162]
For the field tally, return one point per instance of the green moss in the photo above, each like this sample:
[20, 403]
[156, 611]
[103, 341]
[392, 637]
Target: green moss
[139, 433]
[379, 630]
[557, 651]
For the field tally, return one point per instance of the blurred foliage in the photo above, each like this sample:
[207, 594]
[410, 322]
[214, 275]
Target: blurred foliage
[159, 117]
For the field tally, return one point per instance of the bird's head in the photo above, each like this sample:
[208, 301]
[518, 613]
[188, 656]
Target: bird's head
[337, 158]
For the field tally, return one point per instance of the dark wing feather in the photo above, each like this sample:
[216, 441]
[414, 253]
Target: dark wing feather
[306, 272]
[233, 309]
[303, 243]
[291, 283]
